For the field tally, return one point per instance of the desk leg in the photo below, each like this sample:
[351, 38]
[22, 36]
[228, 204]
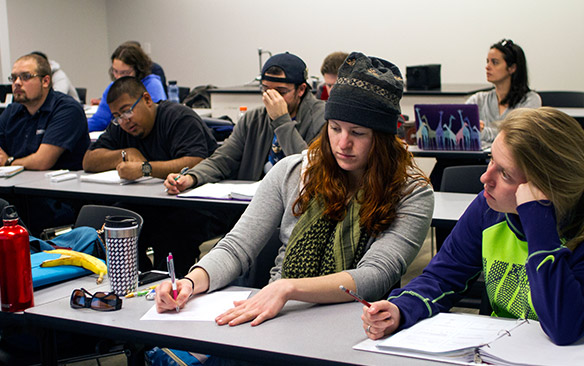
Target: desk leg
[48, 344]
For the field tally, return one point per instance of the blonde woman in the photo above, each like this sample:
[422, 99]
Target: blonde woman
[524, 231]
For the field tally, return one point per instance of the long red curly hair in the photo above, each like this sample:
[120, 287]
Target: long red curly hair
[389, 167]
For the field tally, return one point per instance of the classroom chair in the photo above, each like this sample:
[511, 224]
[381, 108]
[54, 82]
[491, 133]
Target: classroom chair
[82, 93]
[465, 179]
[562, 99]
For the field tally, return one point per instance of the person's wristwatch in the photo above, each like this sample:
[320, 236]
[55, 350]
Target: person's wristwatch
[146, 169]
[9, 160]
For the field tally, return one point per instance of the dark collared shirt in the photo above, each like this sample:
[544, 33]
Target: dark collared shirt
[60, 121]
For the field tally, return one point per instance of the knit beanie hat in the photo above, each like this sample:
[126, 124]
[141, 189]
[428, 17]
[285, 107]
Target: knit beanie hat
[367, 93]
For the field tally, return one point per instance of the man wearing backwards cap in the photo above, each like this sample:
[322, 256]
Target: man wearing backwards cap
[290, 119]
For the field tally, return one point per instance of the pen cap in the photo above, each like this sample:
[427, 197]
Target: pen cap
[121, 240]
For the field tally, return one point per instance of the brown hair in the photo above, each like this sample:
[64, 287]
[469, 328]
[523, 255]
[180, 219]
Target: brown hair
[43, 68]
[134, 56]
[332, 62]
[548, 146]
[389, 166]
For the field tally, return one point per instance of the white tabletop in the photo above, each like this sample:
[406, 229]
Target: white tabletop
[448, 207]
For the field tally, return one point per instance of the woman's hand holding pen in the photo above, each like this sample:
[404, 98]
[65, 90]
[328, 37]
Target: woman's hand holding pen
[164, 300]
[176, 183]
[164, 293]
[381, 319]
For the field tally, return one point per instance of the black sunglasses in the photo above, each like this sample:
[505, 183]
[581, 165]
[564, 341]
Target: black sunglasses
[81, 298]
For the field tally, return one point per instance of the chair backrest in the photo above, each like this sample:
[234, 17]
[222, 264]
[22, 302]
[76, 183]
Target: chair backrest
[94, 215]
[183, 91]
[562, 99]
[462, 179]
[82, 93]
[5, 89]
[221, 128]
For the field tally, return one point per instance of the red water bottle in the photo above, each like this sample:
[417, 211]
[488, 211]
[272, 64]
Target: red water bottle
[15, 270]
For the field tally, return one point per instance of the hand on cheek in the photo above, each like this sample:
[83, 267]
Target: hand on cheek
[527, 192]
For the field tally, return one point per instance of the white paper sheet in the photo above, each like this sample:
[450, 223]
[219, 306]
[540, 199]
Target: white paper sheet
[205, 307]
[241, 191]
[109, 177]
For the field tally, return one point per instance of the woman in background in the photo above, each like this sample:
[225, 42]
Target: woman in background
[507, 70]
[127, 60]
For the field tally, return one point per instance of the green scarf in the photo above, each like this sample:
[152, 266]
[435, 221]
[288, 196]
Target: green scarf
[319, 246]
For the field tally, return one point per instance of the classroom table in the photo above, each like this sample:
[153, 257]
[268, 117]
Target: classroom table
[448, 206]
[7, 184]
[450, 154]
[302, 333]
[148, 192]
[576, 113]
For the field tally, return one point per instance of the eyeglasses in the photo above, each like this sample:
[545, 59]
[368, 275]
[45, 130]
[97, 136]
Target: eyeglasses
[101, 301]
[283, 91]
[24, 76]
[121, 73]
[117, 120]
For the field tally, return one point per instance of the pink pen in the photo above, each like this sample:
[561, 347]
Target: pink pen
[170, 264]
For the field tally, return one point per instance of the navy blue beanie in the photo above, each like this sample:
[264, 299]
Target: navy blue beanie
[367, 93]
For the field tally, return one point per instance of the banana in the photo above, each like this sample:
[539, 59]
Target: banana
[73, 258]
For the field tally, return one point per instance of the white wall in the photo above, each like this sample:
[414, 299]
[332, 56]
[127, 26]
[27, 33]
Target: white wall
[71, 32]
[216, 41]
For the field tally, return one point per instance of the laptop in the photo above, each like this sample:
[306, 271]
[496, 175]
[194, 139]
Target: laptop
[448, 127]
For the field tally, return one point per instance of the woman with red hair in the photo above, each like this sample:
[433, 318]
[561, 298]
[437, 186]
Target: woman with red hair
[353, 209]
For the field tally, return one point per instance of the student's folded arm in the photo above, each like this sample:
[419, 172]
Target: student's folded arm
[456, 265]
[392, 251]
[43, 159]
[555, 273]
[100, 160]
[161, 169]
[310, 120]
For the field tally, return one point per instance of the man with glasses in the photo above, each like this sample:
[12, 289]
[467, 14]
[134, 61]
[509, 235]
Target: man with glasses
[145, 138]
[290, 119]
[42, 129]
[149, 139]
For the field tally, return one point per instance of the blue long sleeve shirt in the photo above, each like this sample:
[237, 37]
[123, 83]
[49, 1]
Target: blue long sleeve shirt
[528, 271]
[102, 117]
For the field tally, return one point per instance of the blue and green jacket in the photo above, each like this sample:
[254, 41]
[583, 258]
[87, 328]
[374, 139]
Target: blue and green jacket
[528, 271]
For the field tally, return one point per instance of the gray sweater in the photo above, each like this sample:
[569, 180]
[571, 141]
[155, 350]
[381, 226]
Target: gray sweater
[385, 261]
[243, 155]
[489, 111]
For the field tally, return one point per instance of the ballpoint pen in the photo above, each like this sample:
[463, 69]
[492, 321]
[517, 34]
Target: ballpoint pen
[183, 171]
[355, 296]
[170, 263]
[123, 155]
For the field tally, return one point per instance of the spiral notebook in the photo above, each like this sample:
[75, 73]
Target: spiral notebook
[467, 339]
[9, 171]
